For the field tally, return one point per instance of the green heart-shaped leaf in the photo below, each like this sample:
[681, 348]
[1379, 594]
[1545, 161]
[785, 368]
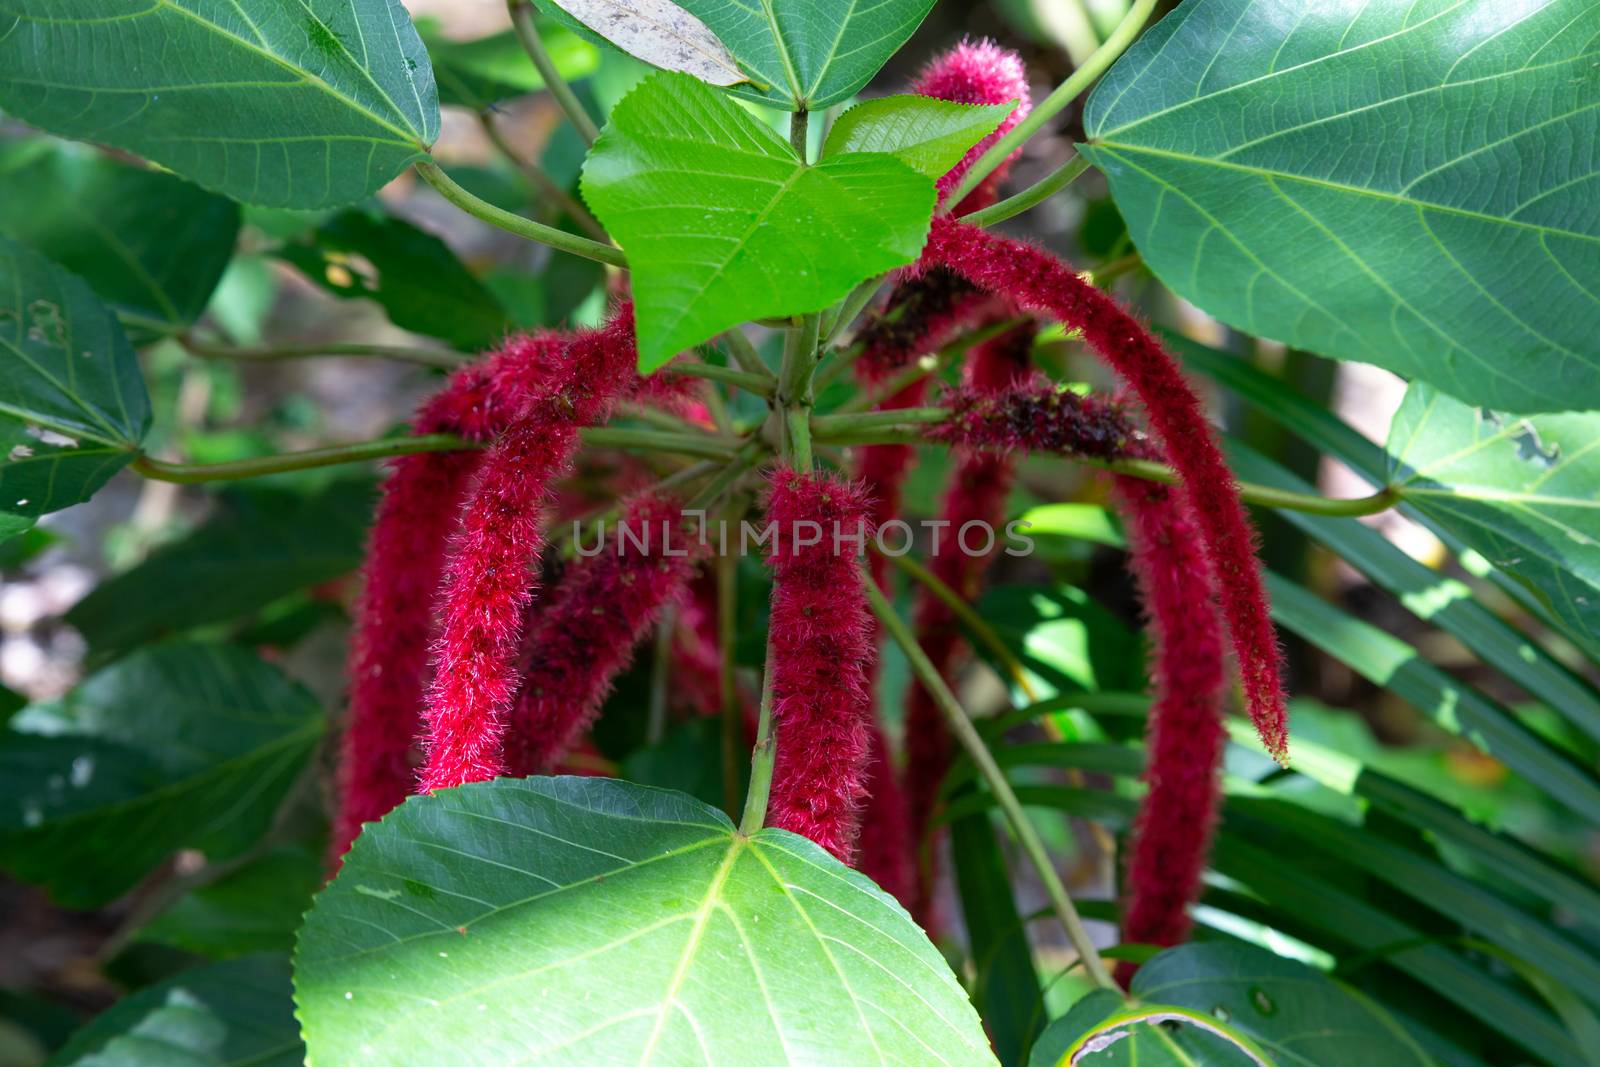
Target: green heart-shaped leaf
[587, 920]
[722, 223]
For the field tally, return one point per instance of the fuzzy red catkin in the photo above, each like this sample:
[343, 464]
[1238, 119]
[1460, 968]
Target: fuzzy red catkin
[1185, 735]
[490, 580]
[822, 654]
[979, 484]
[1036, 416]
[1038, 281]
[884, 853]
[405, 560]
[978, 72]
[587, 633]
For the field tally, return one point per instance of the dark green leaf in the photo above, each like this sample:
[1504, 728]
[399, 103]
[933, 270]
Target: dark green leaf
[151, 245]
[178, 745]
[235, 1014]
[928, 135]
[480, 73]
[256, 908]
[1324, 174]
[73, 406]
[264, 543]
[1525, 492]
[565, 920]
[722, 223]
[412, 274]
[1065, 640]
[1385, 660]
[281, 104]
[1275, 1006]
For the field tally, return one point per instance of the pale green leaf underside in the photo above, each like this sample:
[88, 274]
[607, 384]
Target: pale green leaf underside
[661, 33]
[583, 920]
[809, 53]
[277, 102]
[1406, 184]
[722, 223]
[1524, 492]
[929, 136]
[72, 403]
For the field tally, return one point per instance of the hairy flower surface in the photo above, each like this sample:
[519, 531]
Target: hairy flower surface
[978, 72]
[405, 561]
[1172, 835]
[1035, 417]
[886, 853]
[822, 652]
[490, 580]
[1038, 281]
[578, 642]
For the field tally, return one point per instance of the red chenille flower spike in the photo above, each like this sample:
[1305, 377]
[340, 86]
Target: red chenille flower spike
[1035, 417]
[1185, 735]
[1040, 282]
[490, 580]
[978, 72]
[405, 560]
[886, 853]
[822, 651]
[586, 634]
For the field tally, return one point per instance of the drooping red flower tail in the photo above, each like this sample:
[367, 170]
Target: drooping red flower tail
[406, 548]
[1185, 735]
[974, 510]
[1040, 282]
[885, 854]
[586, 633]
[490, 580]
[978, 72]
[822, 652]
[1036, 416]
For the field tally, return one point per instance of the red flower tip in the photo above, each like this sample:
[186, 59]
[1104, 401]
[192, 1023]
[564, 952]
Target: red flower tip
[822, 655]
[1172, 834]
[1036, 417]
[978, 72]
[602, 606]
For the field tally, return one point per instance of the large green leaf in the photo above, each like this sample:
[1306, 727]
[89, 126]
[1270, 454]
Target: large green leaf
[1525, 492]
[1271, 1006]
[808, 54]
[1385, 182]
[414, 275]
[152, 246]
[272, 103]
[568, 920]
[263, 543]
[235, 1014]
[73, 406]
[723, 223]
[178, 745]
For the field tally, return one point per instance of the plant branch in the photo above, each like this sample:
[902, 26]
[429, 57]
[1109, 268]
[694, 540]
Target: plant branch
[931, 363]
[522, 21]
[744, 353]
[960, 725]
[1064, 94]
[687, 444]
[1036, 193]
[257, 466]
[762, 758]
[546, 185]
[845, 312]
[427, 357]
[512, 223]
[794, 395]
[760, 384]
[843, 423]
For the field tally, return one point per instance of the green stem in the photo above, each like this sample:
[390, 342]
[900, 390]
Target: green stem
[1036, 193]
[511, 223]
[427, 357]
[744, 353]
[547, 186]
[846, 311]
[762, 759]
[933, 363]
[257, 466]
[799, 124]
[687, 444]
[961, 726]
[746, 458]
[794, 395]
[839, 423]
[760, 384]
[1064, 94]
[522, 21]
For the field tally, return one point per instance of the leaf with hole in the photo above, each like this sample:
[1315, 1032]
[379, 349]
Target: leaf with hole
[930, 136]
[150, 245]
[225, 1015]
[1525, 492]
[180, 745]
[289, 105]
[1226, 1005]
[1376, 182]
[723, 224]
[567, 920]
[73, 407]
